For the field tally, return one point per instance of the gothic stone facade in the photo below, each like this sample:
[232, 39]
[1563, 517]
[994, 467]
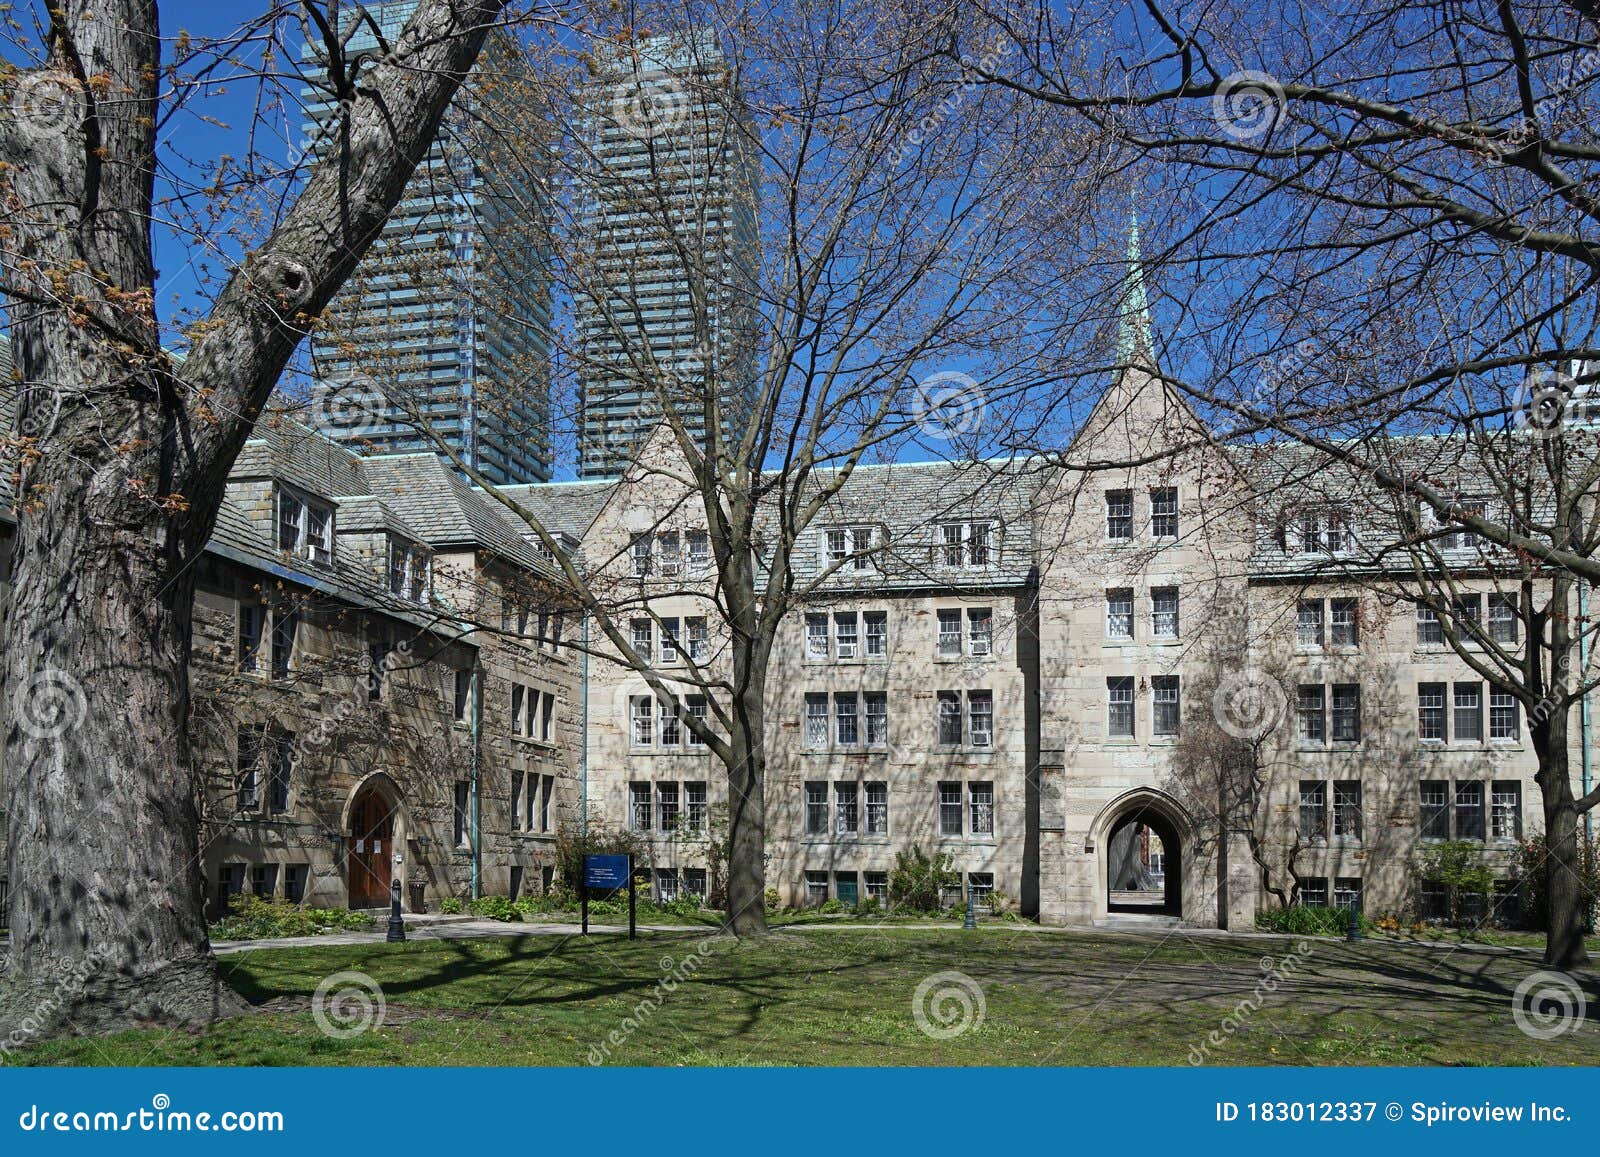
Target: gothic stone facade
[1006, 676]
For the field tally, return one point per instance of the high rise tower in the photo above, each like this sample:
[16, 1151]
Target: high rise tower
[666, 306]
[447, 317]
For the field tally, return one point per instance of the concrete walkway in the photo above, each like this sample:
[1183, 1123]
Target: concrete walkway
[431, 927]
[437, 927]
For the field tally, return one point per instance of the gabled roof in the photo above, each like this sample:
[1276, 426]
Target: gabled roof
[568, 508]
[444, 507]
[283, 448]
[911, 501]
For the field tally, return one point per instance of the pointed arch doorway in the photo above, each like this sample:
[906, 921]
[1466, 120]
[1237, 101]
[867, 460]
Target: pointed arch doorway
[371, 842]
[1144, 862]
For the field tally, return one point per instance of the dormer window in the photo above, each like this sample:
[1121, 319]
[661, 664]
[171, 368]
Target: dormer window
[1322, 530]
[1463, 538]
[408, 570]
[305, 527]
[967, 545]
[849, 547]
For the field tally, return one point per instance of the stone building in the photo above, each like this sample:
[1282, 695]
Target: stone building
[1014, 662]
[381, 686]
[1011, 663]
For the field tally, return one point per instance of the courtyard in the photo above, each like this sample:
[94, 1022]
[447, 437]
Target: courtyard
[852, 995]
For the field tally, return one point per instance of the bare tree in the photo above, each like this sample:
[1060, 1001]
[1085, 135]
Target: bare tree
[896, 213]
[1368, 244]
[126, 449]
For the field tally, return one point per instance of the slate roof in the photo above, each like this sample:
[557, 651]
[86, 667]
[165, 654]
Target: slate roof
[1289, 477]
[568, 508]
[445, 508]
[283, 448]
[368, 513]
[239, 539]
[909, 501]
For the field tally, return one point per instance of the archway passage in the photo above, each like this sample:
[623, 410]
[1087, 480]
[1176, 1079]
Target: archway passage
[371, 849]
[1144, 864]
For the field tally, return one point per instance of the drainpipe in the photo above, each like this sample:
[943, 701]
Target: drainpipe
[1583, 703]
[472, 802]
[583, 741]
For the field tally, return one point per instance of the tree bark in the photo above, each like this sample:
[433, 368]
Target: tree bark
[747, 810]
[1564, 900]
[124, 467]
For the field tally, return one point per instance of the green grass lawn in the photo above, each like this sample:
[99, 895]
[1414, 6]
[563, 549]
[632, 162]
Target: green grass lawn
[845, 996]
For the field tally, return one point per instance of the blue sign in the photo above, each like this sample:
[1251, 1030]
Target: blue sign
[605, 872]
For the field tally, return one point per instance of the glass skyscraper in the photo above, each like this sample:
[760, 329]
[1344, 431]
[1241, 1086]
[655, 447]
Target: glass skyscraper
[666, 297]
[447, 317]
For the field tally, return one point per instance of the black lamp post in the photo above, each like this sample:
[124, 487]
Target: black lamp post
[397, 927]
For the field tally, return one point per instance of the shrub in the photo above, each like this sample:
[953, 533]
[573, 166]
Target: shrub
[252, 917]
[772, 899]
[450, 906]
[494, 908]
[1302, 920]
[682, 906]
[917, 882]
[531, 903]
[1530, 870]
[832, 907]
[572, 846]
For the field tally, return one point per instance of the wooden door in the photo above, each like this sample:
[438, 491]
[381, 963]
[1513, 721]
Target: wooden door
[371, 849]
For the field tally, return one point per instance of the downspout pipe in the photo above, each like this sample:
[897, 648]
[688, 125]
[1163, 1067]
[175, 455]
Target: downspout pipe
[1583, 701]
[473, 815]
[583, 738]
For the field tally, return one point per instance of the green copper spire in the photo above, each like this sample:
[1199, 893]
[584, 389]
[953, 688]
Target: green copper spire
[1133, 332]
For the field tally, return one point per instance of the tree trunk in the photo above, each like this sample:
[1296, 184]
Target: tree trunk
[102, 832]
[1564, 899]
[124, 463]
[747, 821]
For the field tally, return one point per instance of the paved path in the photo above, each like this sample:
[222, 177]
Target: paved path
[444, 928]
[432, 927]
